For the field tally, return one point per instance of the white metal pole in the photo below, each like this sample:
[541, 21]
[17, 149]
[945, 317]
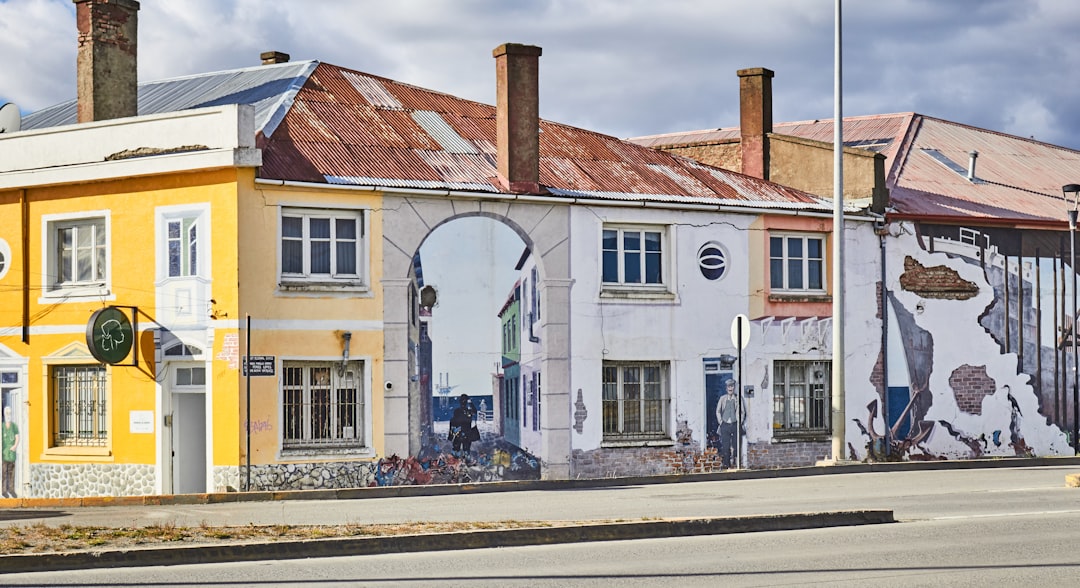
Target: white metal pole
[838, 424]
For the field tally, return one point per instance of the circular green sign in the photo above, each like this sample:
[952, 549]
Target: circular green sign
[109, 335]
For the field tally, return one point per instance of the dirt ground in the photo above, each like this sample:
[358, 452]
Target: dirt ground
[40, 538]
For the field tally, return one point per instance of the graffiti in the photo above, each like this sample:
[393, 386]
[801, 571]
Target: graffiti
[230, 351]
[436, 466]
[258, 426]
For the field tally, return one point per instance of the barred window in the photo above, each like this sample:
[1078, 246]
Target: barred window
[80, 411]
[323, 405]
[801, 398]
[636, 401]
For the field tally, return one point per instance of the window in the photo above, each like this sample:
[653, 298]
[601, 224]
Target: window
[182, 245]
[635, 401]
[5, 257]
[79, 403]
[801, 398]
[797, 262]
[633, 256]
[322, 246]
[77, 255]
[322, 405]
[712, 260]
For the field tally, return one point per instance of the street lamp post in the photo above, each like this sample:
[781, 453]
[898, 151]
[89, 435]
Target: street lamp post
[1074, 189]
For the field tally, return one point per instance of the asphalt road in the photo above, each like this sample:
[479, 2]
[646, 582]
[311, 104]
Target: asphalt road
[958, 528]
[910, 494]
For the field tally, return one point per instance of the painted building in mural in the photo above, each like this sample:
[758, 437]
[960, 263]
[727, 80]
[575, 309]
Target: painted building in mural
[976, 280]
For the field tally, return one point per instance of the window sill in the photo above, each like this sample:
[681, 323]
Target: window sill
[307, 287]
[64, 453]
[799, 297]
[325, 453]
[636, 294]
[801, 438]
[75, 294]
[615, 443]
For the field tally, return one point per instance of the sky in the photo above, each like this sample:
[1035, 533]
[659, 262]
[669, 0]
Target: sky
[465, 327]
[620, 67]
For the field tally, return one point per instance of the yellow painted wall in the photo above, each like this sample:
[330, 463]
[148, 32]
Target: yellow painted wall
[131, 204]
[260, 298]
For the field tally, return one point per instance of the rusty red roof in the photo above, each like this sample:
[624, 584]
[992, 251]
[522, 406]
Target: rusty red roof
[348, 127]
[1017, 180]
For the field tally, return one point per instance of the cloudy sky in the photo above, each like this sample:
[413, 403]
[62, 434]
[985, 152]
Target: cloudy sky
[621, 67]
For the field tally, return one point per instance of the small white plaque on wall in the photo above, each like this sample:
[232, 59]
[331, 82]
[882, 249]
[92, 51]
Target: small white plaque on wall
[142, 421]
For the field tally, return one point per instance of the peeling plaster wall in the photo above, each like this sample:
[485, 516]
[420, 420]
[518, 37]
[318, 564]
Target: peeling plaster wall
[1009, 423]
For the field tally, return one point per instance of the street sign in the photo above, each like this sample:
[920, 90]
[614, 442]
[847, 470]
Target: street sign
[261, 365]
[735, 334]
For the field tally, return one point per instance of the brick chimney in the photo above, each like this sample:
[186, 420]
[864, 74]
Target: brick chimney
[272, 57]
[107, 65]
[755, 120]
[517, 116]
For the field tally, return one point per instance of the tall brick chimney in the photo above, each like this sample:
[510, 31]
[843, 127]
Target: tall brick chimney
[517, 116]
[107, 65]
[755, 120]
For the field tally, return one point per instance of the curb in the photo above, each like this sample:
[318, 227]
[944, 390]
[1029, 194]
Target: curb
[351, 546]
[523, 485]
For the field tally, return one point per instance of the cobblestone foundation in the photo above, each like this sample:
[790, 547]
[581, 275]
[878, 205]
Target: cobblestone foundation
[227, 479]
[91, 479]
[307, 476]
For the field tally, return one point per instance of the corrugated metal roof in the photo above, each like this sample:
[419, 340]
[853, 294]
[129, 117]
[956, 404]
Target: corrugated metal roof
[323, 123]
[269, 88]
[1017, 180]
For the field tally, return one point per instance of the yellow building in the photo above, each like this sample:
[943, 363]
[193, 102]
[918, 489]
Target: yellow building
[164, 233]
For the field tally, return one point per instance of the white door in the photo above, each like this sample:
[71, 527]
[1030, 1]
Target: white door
[189, 431]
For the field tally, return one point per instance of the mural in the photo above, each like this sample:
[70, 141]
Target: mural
[977, 361]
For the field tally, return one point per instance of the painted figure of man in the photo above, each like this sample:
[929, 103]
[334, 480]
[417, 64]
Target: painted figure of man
[462, 425]
[10, 447]
[727, 414]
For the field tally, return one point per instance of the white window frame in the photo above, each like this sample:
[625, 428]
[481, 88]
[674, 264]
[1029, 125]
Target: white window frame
[802, 400]
[620, 257]
[199, 215]
[618, 408]
[806, 263]
[333, 281]
[306, 443]
[55, 290]
[5, 258]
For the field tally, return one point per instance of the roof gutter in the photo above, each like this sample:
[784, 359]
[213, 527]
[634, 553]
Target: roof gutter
[1046, 225]
[555, 199]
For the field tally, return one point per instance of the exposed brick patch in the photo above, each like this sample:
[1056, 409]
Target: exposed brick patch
[787, 454]
[938, 282]
[970, 385]
[620, 462]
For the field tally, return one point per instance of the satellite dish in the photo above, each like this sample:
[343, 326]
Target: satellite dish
[10, 119]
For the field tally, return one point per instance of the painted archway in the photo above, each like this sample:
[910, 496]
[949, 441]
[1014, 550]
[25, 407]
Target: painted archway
[543, 225]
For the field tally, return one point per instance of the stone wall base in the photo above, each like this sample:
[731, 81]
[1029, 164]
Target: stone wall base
[77, 480]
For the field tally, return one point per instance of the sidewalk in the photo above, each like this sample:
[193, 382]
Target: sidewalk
[469, 502]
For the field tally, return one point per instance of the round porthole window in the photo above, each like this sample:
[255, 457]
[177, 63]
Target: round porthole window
[712, 260]
[5, 258]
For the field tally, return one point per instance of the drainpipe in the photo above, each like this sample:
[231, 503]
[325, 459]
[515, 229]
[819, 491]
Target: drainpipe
[24, 209]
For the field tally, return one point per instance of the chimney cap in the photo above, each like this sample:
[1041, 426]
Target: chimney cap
[516, 49]
[272, 57]
[756, 71]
